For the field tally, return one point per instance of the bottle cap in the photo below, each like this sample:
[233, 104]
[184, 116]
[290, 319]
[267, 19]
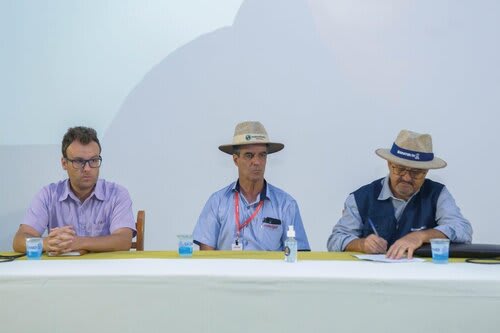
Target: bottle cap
[290, 232]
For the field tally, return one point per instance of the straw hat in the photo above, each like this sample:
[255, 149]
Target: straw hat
[251, 133]
[413, 150]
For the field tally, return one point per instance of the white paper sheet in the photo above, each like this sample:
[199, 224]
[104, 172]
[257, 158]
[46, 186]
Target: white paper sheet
[383, 258]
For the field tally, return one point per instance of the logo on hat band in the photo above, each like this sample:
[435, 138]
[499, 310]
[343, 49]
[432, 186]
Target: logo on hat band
[411, 154]
[258, 137]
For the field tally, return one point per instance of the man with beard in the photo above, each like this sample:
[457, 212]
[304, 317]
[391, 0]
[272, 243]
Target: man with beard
[397, 214]
[81, 213]
[250, 213]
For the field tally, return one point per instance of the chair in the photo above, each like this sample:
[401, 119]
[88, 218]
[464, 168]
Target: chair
[138, 244]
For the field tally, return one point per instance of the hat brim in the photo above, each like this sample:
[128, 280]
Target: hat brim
[436, 163]
[272, 147]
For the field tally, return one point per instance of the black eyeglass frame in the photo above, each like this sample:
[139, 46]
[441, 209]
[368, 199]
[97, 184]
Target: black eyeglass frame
[414, 173]
[81, 163]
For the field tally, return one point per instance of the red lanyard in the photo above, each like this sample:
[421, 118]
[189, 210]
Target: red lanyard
[237, 213]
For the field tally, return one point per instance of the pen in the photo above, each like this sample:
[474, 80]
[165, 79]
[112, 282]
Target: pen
[373, 226]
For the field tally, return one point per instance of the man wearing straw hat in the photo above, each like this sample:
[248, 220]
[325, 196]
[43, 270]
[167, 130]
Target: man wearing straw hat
[250, 213]
[399, 213]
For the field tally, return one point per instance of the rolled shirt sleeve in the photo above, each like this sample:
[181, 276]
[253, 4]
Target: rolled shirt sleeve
[37, 215]
[122, 214]
[450, 220]
[207, 228]
[348, 228]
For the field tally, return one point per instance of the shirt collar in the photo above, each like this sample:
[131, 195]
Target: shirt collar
[98, 191]
[264, 193]
[386, 192]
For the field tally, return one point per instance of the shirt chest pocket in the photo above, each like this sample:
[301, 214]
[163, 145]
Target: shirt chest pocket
[270, 235]
[98, 227]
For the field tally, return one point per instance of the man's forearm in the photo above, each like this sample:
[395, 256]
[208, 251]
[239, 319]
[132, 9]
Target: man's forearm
[426, 235]
[204, 247]
[103, 243]
[19, 242]
[355, 245]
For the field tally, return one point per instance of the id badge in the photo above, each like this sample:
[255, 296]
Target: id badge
[237, 246]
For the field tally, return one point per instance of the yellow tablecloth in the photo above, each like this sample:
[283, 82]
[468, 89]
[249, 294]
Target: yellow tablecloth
[212, 255]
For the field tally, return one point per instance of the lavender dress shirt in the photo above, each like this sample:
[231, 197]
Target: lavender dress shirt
[107, 209]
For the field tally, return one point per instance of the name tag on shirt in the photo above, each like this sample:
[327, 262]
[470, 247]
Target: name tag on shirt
[237, 246]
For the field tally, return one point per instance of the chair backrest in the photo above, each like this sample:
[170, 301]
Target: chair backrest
[138, 244]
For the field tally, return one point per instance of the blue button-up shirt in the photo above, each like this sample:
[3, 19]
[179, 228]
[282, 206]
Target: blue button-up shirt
[216, 226]
[448, 217]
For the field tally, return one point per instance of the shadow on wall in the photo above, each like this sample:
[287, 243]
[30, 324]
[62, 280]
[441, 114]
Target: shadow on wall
[325, 95]
[270, 65]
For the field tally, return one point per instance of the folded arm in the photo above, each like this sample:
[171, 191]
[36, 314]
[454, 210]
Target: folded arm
[204, 247]
[412, 241]
[64, 239]
[119, 240]
[451, 224]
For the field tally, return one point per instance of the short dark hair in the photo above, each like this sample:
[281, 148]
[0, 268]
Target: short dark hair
[84, 135]
[237, 149]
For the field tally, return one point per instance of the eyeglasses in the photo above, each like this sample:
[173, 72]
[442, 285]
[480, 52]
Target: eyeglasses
[414, 173]
[80, 164]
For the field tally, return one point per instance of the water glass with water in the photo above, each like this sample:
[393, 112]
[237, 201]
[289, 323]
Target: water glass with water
[185, 247]
[34, 247]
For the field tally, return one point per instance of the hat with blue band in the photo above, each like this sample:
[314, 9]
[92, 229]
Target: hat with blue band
[413, 150]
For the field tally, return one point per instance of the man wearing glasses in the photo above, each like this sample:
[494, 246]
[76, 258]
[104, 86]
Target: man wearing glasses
[81, 213]
[397, 214]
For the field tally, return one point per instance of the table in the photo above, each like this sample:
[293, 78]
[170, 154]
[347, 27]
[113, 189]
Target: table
[245, 292]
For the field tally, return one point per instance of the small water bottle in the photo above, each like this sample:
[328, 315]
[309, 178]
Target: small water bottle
[290, 245]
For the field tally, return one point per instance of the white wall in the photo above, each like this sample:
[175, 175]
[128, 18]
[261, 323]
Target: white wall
[165, 85]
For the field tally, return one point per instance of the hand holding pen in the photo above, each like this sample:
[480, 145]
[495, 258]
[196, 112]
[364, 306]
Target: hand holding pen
[373, 227]
[374, 243]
